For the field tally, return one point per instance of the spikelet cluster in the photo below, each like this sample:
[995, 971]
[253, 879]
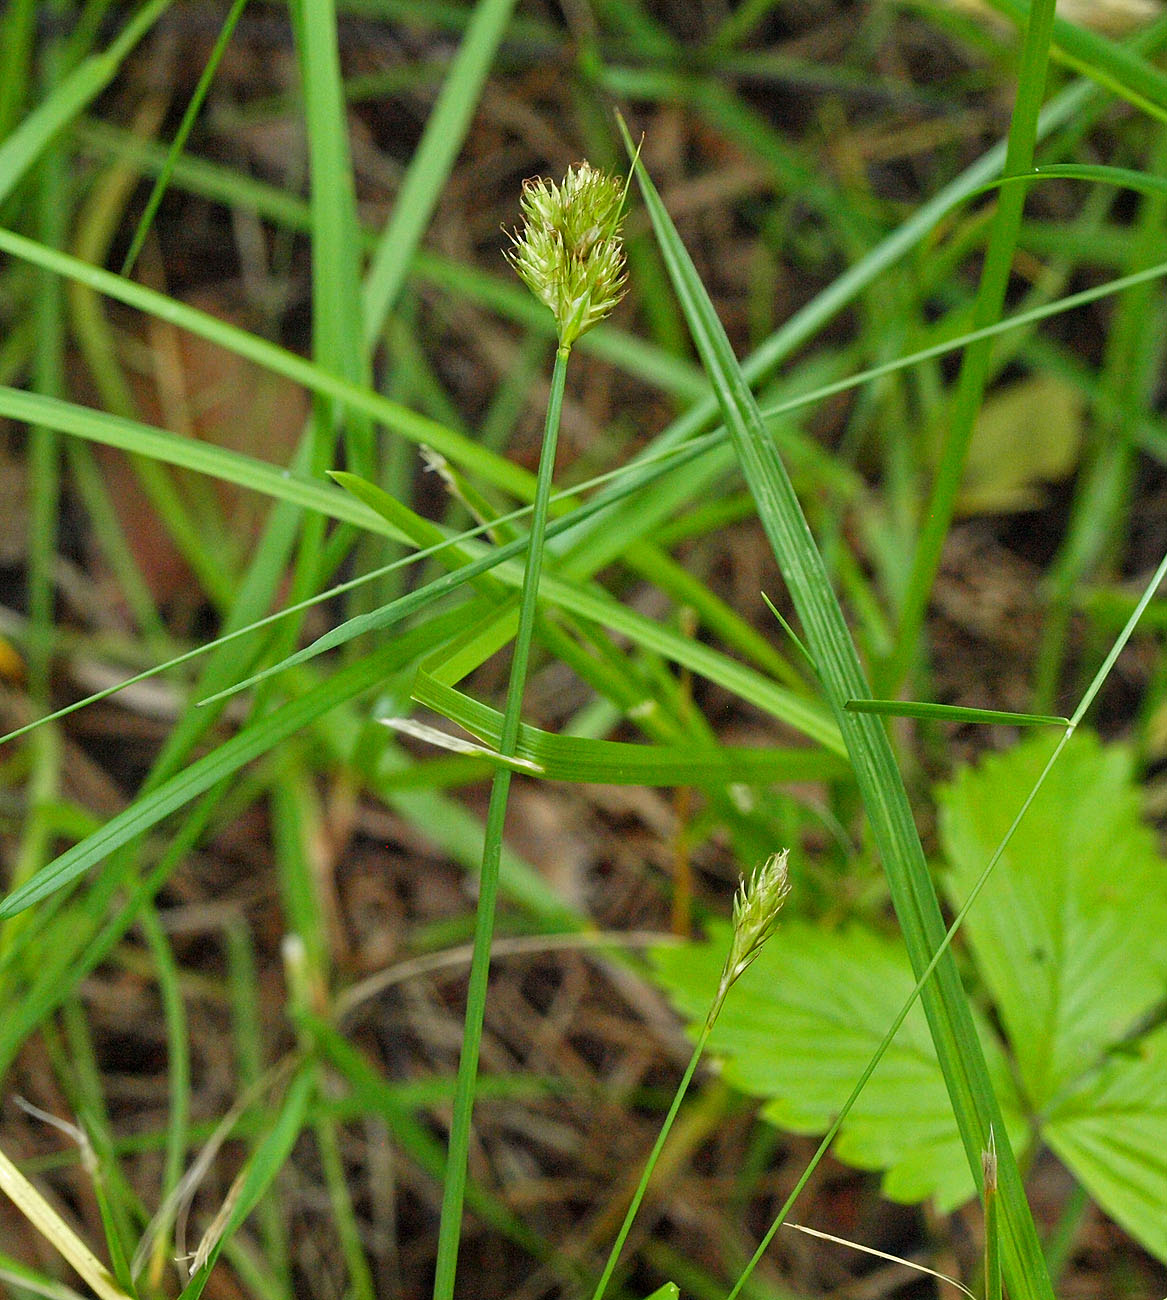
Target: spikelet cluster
[570, 253]
[755, 915]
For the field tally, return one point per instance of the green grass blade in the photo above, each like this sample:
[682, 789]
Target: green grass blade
[190, 453]
[952, 713]
[182, 134]
[336, 244]
[880, 784]
[201, 776]
[74, 94]
[974, 371]
[431, 162]
[250, 1051]
[17, 30]
[1125, 177]
[178, 1078]
[580, 758]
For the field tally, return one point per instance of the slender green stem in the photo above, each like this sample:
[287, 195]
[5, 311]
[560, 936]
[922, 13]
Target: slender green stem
[992, 1247]
[184, 130]
[178, 1070]
[657, 1148]
[455, 1184]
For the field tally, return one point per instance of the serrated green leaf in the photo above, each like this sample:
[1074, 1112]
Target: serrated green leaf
[1068, 936]
[1068, 932]
[1112, 1132]
[800, 1026]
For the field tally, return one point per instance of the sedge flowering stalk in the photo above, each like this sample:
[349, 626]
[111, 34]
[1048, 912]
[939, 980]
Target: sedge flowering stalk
[571, 256]
[755, 918]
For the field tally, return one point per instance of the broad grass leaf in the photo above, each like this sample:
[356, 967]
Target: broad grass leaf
[1068, 933]
[585, 759]
[801, 1024]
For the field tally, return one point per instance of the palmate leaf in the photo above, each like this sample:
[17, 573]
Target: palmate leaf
[1067, 937]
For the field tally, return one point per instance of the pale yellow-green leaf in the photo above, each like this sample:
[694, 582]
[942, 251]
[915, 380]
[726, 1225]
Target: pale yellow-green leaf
[1027, 435]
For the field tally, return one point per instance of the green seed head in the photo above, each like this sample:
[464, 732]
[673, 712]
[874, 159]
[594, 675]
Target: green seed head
[755, 915]
[569, 252]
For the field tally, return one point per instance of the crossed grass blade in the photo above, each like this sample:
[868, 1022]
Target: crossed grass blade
[878, 778]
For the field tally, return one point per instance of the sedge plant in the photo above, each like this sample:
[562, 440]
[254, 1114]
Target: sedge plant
[340, 373]
[570, 254]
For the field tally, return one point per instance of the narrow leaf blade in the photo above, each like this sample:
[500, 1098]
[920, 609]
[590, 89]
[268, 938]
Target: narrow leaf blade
[884, 797]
